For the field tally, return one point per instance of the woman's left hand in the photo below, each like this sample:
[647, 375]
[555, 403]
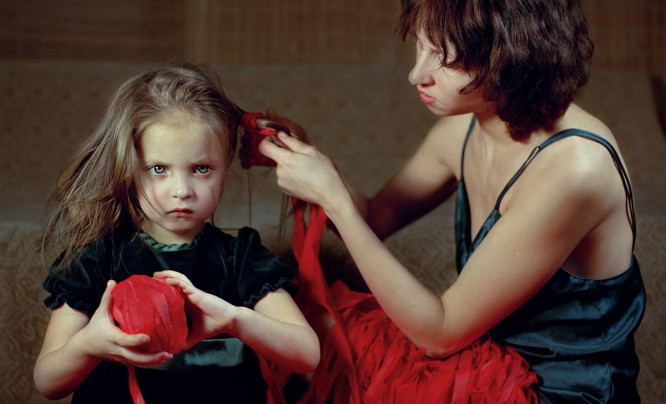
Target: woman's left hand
[210, 314]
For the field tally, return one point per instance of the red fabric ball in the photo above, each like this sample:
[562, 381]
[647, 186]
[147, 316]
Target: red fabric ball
[145, 305]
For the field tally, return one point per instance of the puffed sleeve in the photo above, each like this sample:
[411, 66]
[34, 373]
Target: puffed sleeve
[82, 284]
[259, 270]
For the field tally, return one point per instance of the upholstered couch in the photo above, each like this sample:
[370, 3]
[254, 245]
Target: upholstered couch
[367, 118]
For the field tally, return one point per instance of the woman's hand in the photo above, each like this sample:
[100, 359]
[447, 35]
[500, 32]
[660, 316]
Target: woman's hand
[106, 341]
[306, 173]
[210, 314]
[295, 129]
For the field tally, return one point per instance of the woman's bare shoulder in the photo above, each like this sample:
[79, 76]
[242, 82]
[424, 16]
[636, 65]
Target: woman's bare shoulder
[578, 118]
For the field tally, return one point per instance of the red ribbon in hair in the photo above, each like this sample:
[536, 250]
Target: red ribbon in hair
[145, 305]
[253, 135]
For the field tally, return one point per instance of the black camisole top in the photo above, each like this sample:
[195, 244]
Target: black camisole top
[576, 333]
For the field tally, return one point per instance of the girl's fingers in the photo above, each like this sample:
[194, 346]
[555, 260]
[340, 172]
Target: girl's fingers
[167, 274]
[105, 303]
[145, 359]
[173, 278]
[132, 340]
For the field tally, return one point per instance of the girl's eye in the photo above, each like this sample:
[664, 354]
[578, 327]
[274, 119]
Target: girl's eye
[202, 169]
[157, 170]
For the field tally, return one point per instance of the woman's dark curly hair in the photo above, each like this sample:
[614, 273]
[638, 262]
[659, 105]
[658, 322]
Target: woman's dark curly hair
[530, 57]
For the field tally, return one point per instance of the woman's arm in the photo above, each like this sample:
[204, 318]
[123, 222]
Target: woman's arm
[306, 173]
[426, 180]
[543, 220]
[74, 345]
[275, 329]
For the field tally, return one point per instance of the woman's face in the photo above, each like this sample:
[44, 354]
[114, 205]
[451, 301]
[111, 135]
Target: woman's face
[439, 86]
[182, 174]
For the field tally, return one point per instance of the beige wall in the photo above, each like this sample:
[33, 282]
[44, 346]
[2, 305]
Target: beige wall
[628, 34]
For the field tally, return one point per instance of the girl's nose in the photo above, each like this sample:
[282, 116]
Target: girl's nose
[182, 188]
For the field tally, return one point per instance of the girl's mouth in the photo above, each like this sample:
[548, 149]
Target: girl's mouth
[180, 212]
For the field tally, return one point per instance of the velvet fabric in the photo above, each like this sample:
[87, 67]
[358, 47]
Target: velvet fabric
[238, 269]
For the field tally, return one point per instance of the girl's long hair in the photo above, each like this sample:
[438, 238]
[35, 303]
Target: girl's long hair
[98, 193]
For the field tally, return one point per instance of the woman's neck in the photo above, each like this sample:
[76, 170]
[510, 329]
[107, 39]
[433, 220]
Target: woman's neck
[493, 130]
[495, 133]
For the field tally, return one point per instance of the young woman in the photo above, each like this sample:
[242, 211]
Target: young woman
[544, 219]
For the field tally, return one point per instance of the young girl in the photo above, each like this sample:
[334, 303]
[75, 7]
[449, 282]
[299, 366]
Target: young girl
[137, 201]
[544, 220]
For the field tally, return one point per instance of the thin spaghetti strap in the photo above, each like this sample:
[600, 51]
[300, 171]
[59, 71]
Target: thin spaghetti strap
[513, 179]
[462, 157]
[631, 214]
[614, 155]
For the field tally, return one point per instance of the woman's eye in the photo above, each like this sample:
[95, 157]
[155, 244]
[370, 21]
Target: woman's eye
[157, 170]
[203, 169]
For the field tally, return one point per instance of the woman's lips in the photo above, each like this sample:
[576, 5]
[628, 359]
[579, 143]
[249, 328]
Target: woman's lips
[426, 99]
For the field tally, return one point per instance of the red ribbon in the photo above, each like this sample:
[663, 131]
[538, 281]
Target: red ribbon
[252, 135]
[335, 378]
[337, 369]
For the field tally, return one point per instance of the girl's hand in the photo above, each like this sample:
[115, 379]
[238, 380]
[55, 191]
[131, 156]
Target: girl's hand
[306, 173]
[106, 341]
[210, 314]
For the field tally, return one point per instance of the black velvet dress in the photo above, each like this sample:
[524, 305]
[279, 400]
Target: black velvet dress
[217, 370]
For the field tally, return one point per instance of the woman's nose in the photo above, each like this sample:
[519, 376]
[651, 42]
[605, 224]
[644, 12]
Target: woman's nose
[421, 73]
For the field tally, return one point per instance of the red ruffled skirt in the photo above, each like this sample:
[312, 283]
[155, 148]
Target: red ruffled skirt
[367, 359]
[391, 369]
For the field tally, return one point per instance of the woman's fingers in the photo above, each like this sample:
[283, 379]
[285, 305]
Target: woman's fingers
[293, 143]
[281, 155]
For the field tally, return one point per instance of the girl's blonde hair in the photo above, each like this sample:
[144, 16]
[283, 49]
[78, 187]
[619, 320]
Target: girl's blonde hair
[98, 193]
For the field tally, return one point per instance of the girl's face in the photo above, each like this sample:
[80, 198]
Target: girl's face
[439, 86]
[182, 174]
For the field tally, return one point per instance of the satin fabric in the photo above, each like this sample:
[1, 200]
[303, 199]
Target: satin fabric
[576, 333]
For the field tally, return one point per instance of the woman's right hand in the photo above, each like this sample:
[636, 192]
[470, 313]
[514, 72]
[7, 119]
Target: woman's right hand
[307, 174]
[295, 129]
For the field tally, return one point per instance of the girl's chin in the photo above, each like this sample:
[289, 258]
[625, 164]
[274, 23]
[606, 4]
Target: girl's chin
[174, 234]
